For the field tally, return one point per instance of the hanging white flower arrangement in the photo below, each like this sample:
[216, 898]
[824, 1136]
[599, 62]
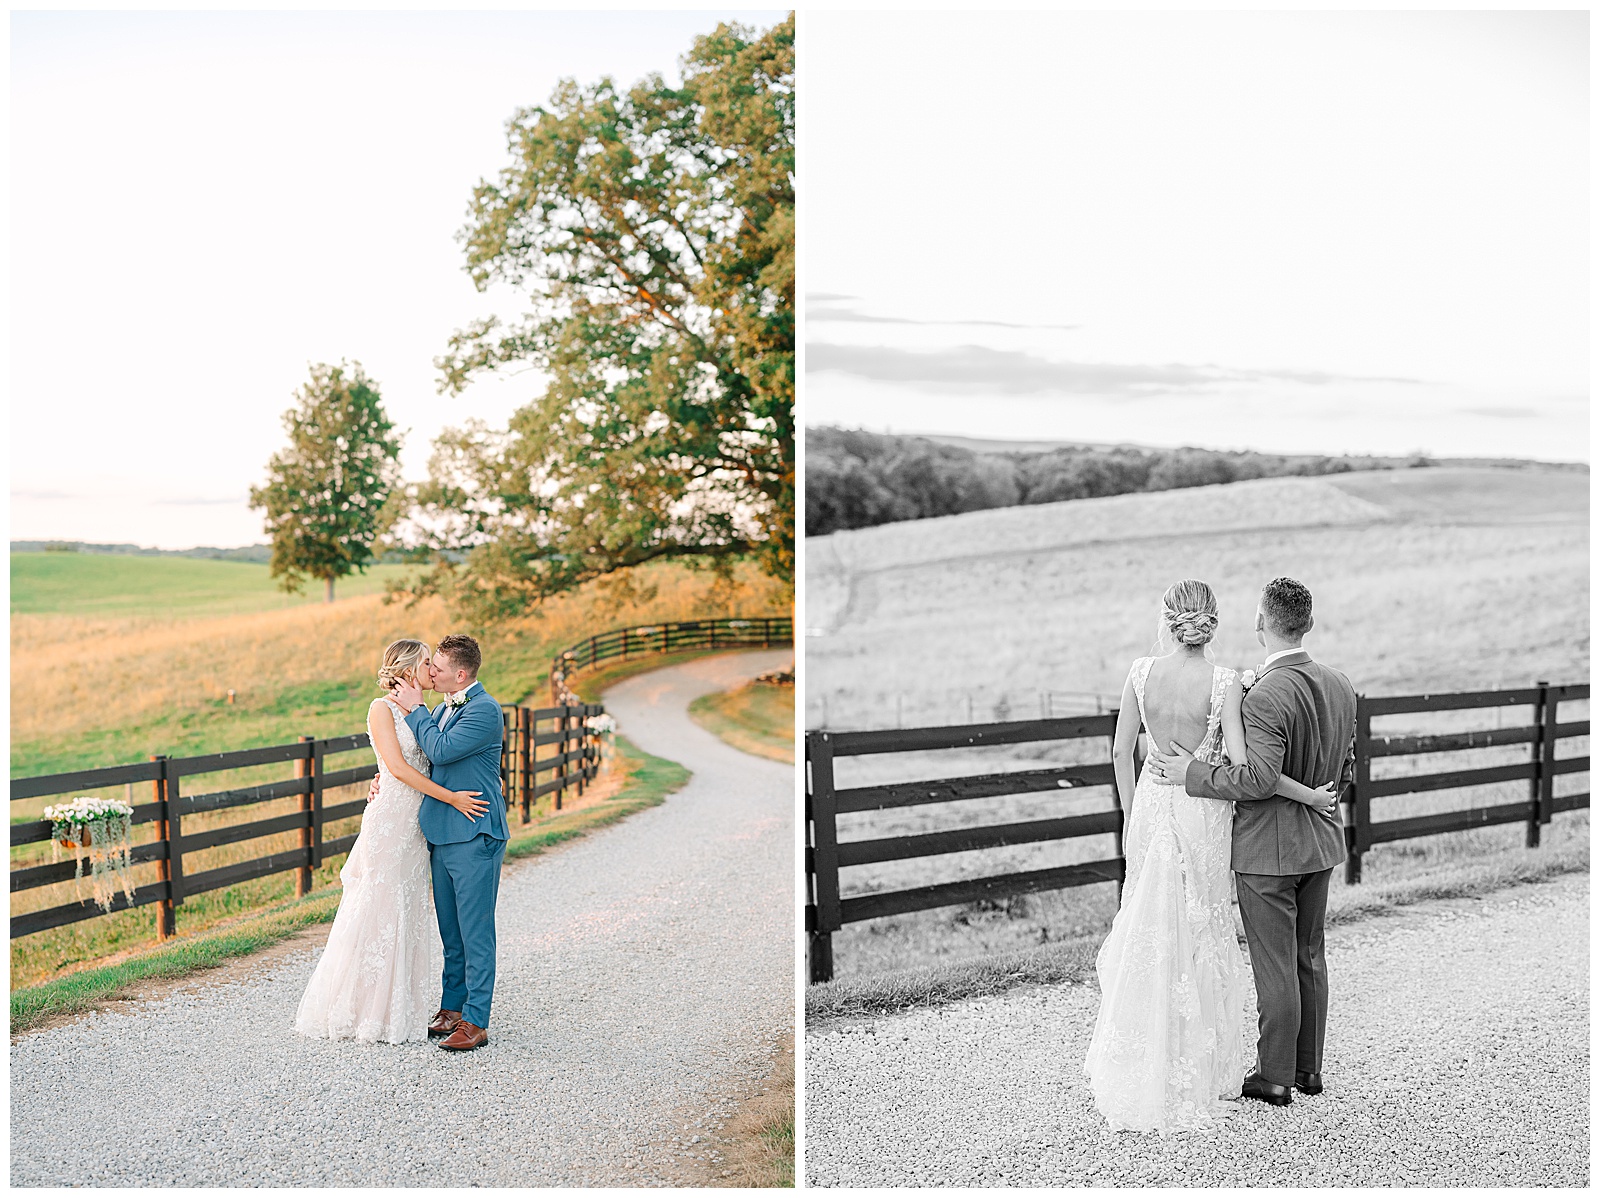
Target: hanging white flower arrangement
[605, 727]
[101, 831]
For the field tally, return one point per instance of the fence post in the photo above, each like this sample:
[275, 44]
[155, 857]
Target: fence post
[822, 836]
[174, 787]
[1547, 791]
[525, 749]
[1544, 723]
[713, 625]
[561, 752]
[302, 876]
[1116, 801]
[1358, 826]
[582, 730]
[166, 925]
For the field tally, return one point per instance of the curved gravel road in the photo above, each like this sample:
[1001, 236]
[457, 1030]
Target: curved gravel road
[646, 976]
[1457, 1055]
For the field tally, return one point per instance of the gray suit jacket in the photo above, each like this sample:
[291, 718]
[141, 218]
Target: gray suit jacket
[1299, 720]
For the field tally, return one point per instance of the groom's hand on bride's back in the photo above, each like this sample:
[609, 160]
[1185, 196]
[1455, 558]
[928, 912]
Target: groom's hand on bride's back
[1172, 767]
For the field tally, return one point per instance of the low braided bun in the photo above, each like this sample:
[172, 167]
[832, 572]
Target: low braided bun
[1192, 627]
[399, 659]
[1189, 611]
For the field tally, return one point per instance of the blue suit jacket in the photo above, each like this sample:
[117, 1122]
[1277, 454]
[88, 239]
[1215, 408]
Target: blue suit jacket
[465, 756]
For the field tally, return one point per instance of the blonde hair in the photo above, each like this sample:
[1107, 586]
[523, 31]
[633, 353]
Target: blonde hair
[399, 659]
[1189, 613]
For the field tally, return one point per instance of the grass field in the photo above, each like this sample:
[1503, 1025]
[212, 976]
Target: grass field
[148, 668]
[1425, 580]
[755, 718]
[122, 585]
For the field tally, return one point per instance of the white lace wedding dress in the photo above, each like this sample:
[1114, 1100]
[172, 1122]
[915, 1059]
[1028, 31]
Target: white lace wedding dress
[378, 979]
[1170, 1043]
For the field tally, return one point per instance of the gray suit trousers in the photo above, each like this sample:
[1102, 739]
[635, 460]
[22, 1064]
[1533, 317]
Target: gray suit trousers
[1281, 911]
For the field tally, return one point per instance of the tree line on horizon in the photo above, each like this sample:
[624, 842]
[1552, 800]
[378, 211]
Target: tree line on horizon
[858, 479]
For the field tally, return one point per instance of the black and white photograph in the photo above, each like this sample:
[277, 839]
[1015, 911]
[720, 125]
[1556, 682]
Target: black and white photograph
[1195, 599]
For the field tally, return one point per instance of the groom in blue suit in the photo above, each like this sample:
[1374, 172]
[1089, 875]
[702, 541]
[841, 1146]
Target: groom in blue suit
[462, 739]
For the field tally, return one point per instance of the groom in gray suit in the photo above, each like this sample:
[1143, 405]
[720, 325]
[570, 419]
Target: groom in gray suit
[1299, 720]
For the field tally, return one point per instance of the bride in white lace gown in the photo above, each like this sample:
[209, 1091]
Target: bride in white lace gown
[378, 978]
[1172, 1043]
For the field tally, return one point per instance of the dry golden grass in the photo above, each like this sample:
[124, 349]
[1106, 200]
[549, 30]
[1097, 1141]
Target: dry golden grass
[102, 691]
[756, 718]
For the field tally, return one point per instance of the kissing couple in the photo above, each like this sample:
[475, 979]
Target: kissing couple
[1169, 1049]
[422, 879]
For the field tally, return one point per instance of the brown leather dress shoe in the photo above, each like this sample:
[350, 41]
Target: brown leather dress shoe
[444, 1023]
[465, 1038]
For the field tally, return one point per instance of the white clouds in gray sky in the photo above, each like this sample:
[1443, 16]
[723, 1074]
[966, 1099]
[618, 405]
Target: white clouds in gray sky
[1212, 228]
[203, 203]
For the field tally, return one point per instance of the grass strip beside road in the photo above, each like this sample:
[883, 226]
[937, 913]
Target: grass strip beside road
[86, 989]
[756, 718]
[646, 781]
[760, 1138]
[860, 998]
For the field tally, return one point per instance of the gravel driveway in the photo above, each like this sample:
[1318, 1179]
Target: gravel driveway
[1457, 1055]
[646, 974]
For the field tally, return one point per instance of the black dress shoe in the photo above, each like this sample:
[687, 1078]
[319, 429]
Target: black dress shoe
[1308, 1083]
[1256, 1086]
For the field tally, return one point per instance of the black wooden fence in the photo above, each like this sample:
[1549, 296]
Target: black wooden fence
[827, 912]
[573, 764]
[762, 631]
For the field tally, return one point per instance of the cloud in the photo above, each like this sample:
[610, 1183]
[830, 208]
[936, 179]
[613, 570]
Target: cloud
[1501, 413]
[200, 501]
[43, 495]
[827, 312]
[976, 367]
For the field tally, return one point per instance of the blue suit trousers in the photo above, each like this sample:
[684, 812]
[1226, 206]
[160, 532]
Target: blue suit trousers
[466, 883]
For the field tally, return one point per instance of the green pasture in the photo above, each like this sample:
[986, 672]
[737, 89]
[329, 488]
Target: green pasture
[117, 586]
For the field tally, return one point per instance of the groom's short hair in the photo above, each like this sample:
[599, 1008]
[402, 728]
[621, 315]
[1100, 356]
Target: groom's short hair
[1286, 606]
[463, 651]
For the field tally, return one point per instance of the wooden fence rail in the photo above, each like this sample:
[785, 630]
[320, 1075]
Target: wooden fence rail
[574, 764]
[825, 855]
[746, 633]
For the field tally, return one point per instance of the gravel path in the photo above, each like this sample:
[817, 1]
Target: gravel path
[646, 974]
[1457, 1055]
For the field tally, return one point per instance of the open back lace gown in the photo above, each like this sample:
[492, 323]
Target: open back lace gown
[1169, 1044]
[378, 979]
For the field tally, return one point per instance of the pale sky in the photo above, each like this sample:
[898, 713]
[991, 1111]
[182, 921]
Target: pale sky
[203, 204]
[1292, 231]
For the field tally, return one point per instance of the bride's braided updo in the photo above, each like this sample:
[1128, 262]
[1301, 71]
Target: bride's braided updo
[1189, 610]
[399, 659]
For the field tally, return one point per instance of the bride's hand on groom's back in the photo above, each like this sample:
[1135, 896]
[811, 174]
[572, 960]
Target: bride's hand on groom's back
[468, 803]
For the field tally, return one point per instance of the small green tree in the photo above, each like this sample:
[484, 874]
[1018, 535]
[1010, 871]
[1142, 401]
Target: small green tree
[326, 492]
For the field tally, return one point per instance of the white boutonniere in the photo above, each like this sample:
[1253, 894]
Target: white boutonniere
[459, 699]
[1247, 680]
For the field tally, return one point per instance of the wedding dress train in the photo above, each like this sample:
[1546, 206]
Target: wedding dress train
[1170, 1043]
[378, 979]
